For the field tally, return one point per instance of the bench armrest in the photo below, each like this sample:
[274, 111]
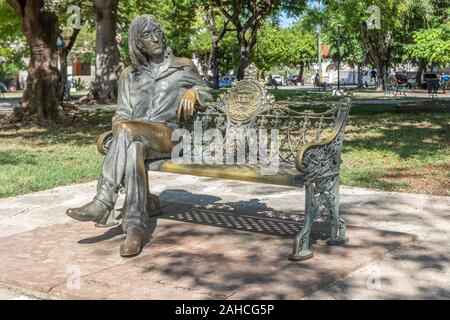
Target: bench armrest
[317, 160]
[104, 141]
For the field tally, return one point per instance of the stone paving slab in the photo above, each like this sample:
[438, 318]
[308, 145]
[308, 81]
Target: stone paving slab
[197, 260]
[420, 270]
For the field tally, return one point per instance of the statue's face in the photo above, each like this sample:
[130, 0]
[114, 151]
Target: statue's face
[152, 41]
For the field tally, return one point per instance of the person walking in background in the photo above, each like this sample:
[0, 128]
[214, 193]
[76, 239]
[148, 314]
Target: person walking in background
[272, 82]
[3, 89]
[373, 77]
[317, 80]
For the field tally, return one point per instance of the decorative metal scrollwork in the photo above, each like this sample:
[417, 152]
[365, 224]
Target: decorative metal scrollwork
[248, 105]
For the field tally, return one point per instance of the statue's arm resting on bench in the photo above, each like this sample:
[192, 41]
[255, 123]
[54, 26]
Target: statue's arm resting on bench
[199, 87]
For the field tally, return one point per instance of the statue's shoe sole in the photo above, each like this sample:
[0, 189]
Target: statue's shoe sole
[78, 217]
[125, 253]
[85, 218]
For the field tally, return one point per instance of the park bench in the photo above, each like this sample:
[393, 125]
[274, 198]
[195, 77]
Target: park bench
[322, 86]
[432, 87]
[309, 151]
[395, 86]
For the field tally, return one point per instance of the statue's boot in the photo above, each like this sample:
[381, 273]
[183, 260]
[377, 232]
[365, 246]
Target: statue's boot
[93, 211]
[131, 246]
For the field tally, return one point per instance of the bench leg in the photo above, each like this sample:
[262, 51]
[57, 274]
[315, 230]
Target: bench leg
[302, 247]
[154, 208]
[338, 227]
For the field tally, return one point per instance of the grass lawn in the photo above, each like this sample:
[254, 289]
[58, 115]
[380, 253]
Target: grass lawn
[398, 148]
[389, 147]
[33, 158]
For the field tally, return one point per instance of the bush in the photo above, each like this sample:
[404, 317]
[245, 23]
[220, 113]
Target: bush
[79, 84]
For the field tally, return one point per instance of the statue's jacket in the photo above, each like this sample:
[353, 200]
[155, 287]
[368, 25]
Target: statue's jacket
[144, 96]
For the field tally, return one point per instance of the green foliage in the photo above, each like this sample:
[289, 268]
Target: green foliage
[12, 43]
[177, 17]
[400, 19]
[432, 45]
[12, 62]
[79, 84]
[10, 28]
[11, 35]
[84, 48]
[228, 49]
[284, 47]
[228, 53]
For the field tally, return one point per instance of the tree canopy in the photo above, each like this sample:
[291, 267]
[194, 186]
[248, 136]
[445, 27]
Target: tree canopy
[284, 47]
[225, 35]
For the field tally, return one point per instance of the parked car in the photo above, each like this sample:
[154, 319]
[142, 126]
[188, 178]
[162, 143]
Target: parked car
[411, 75]
[428, 77]
[411, 83]
[226, 81]
[3, 87]
[209, 83]
[401, 79]
[278, 79]
[293, 79]
[367, 79]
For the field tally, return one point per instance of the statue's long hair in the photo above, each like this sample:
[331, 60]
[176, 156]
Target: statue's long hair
[135, 48]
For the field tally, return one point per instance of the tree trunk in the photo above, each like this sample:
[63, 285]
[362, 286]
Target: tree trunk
[205, 62]
[40, 27]
[245, 50]
[381, 78]
[302, 73]
[215, 64]
[360, 80]
[381, 66]
[257, 12]
[243, 61]
[379, 48]
[63, 54]
[107, 62]
[216, 37]
[214, 58]
[422, 66]
[63, 70]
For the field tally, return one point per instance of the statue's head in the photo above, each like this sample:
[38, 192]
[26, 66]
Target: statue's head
[146, 40]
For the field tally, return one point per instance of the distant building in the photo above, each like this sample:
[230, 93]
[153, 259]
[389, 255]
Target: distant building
[85, 71]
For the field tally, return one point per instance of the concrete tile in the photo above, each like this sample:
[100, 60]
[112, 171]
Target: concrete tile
[209, 258]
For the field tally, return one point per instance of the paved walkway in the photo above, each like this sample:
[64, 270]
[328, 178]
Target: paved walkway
[418, 270]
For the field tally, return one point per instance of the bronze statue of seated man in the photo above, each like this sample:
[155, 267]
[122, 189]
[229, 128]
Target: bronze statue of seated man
[155, 92]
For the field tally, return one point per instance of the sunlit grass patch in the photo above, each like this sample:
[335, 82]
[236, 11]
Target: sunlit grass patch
[388, 147]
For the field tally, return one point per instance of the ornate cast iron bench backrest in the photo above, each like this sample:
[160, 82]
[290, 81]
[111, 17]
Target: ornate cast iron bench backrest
[247, 104]
[310, 140]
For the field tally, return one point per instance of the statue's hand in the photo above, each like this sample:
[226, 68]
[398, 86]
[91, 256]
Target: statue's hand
[187, 105]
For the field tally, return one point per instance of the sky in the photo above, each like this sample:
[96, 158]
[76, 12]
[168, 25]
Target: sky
[286, 22]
